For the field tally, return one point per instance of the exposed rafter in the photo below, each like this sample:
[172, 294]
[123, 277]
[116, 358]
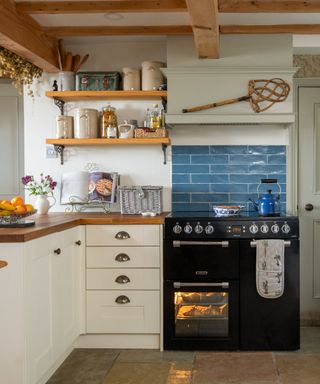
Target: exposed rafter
[300, 29]
[274, 6]
[101, 6]
[23, 36]
[118, 31]
[228, 6]
[205, 26]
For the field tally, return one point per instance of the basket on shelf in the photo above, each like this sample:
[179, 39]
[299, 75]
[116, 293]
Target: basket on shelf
[141, 132]
[137, 199]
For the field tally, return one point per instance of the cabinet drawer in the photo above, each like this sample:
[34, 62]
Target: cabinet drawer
[123, 235]
[136, 278]
[140, 315]
[123, 257]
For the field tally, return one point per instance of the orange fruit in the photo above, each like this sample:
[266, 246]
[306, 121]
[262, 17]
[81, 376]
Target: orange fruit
[20, 209]
[18, 200]
[6, 202]
[29, 207]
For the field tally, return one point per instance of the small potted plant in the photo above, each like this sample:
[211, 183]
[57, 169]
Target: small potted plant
[43, 190]
[21, 71]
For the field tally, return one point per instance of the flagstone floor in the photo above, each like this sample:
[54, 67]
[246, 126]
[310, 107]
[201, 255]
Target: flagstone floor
[105, 366]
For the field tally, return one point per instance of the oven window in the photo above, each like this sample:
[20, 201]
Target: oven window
[201, 314]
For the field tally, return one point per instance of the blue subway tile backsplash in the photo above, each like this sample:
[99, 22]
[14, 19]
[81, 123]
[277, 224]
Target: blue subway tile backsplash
[204, 175]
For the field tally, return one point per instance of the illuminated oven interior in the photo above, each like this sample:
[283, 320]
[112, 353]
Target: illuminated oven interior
[201, 314]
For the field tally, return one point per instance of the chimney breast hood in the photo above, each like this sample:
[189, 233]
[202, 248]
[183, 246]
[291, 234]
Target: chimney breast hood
[193, 86]
[193, 82]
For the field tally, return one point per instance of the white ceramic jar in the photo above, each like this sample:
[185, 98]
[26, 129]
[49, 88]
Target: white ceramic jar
[64, 127]
[152, 76]
[85, 123]
[131, 79]
[66, 81]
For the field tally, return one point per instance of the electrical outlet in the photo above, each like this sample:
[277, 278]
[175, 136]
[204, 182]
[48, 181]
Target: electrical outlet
[51, 152]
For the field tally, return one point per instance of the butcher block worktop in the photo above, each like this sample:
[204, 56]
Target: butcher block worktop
[55, 222]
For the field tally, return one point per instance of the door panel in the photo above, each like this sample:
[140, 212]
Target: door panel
[309, 193]
[11, 141]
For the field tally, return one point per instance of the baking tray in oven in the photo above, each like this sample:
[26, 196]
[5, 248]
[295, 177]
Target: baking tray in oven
[201, 312]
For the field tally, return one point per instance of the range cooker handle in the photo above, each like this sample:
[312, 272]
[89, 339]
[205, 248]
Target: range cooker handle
[178, 284]
[253, 244]
[178, 243]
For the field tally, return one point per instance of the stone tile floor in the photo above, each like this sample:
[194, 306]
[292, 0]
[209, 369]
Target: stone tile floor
[104, 366]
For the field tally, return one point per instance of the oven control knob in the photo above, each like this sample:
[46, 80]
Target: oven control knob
[275, 228]
[253, 228]
[209, 229]
[198, 229]
[187, 229]
[264, 228]
[177, 229]
[285, 228]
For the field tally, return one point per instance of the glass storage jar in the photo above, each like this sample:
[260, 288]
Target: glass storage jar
[108, 116]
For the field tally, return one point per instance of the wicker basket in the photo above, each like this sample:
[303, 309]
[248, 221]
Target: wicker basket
[137, 199]
[140, 132]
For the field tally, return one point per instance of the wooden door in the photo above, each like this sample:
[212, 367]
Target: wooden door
[309, 201]
[11, 141]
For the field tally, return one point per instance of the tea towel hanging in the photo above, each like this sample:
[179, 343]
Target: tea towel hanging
[270, 268]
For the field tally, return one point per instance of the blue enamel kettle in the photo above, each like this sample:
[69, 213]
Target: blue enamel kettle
[268, 204]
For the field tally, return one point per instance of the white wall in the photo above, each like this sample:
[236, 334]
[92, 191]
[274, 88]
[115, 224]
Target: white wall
[136, 165]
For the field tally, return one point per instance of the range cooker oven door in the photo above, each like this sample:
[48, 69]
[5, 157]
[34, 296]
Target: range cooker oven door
[201, 315]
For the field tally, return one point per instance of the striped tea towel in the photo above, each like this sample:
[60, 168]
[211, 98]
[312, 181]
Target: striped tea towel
[270, 268]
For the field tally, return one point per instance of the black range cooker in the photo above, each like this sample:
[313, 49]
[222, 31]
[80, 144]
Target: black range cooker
[210, 296]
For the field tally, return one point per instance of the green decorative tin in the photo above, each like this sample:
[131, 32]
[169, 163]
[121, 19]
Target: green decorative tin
[98, 81]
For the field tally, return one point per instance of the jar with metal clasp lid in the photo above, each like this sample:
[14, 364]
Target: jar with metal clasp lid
[108, 116]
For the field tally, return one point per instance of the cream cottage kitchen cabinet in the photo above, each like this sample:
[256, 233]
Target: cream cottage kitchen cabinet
[41, 305]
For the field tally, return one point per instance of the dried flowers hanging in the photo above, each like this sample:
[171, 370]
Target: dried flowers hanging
[21, 71]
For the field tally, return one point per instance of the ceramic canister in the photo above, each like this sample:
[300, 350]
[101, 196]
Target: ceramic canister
[131, 79]
[152, 76]
[85, 123]
[66, 81]
[64, 127]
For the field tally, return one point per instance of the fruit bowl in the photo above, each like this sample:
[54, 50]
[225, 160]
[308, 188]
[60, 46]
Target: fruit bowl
[15, 218]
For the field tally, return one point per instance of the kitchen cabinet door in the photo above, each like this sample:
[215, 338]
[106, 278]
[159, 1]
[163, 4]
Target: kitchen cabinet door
[39, 306]
[66, 278]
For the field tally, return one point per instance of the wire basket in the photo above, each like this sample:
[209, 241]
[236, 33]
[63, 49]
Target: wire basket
[14, 219]
[137, 199]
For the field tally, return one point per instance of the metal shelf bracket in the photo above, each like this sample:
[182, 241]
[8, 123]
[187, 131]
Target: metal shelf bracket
[164, 150]
[60, 104]
[59, 149]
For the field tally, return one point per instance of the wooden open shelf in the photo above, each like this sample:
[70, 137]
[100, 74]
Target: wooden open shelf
[82, 142]
[67, 96]
[60, 144]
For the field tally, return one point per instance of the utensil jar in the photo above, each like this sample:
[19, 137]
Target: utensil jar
[85, 123]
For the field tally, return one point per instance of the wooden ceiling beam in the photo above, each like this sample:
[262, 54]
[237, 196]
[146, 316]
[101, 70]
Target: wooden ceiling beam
[123, 6]
[205, 26]
[119, 31]
[300, 29]
[271, 6]
[23, 36]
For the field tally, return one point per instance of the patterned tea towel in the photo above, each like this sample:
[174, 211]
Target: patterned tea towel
[270, 268]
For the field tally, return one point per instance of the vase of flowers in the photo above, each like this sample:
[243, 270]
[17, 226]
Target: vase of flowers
[43, 190]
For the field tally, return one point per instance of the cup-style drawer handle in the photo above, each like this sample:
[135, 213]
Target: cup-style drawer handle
[122, 235]
[57, 251]
[122, 279]
[122, 300]
[122, 258]
[78, 242]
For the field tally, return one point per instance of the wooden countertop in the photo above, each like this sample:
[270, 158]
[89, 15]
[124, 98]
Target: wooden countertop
[56, 222]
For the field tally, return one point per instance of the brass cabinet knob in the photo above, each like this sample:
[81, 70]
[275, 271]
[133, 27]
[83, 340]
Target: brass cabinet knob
[122, 258]
[57, 251]
[122, 299]
[122, 235]
[122, 279]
